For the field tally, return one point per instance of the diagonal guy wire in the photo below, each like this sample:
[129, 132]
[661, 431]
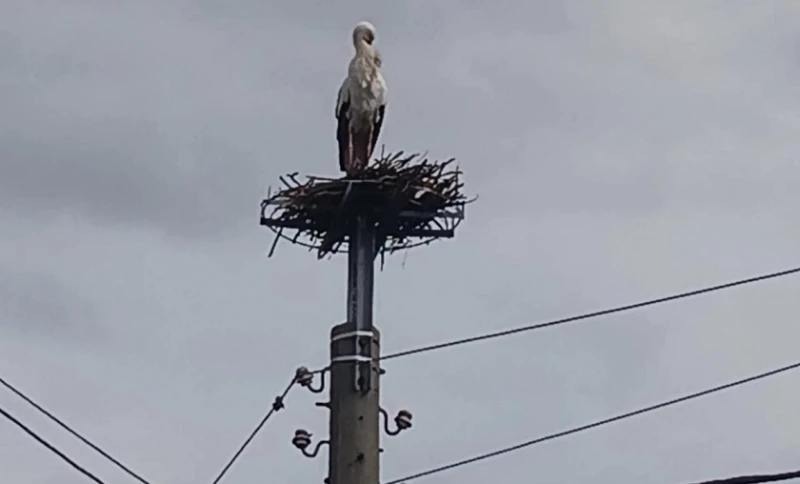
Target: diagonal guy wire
[275, 407]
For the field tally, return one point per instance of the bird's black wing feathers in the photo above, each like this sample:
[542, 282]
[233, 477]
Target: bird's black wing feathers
[343, 134]
[376, 130]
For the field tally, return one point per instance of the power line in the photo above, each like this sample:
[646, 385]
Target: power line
[71, 431]
[757, 479]
[276, 405]
[604, 312]
[50, 447]
[598, 423]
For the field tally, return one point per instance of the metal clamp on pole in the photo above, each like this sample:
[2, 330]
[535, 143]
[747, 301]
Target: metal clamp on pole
[356, 347]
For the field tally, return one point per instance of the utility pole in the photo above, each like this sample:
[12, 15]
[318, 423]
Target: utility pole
[380, 211]
[355, 348]
[354, 410]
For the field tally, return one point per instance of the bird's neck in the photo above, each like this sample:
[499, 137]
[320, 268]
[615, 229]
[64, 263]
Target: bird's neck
[363, 48]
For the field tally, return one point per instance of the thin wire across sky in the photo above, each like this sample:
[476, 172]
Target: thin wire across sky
[279, 401]
[599, 423]
[594, 314]
[72, 431]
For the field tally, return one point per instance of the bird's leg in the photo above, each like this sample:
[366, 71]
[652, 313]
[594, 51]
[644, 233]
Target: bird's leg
[369, 146]
[350, 154]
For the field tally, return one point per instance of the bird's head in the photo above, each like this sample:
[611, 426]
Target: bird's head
[364, 32]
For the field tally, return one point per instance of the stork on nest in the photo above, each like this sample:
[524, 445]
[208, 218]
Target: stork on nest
[410, 199]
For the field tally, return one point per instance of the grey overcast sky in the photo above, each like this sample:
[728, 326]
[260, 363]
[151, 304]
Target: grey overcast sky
[622, 149]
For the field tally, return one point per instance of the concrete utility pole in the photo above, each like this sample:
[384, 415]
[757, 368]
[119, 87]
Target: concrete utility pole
[354, 425]
[395, 200]
[355, 348]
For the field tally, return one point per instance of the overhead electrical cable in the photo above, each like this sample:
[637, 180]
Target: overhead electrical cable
[50, 446]
[73, 432]
[594, 314]
[756, 479]
[599, 423]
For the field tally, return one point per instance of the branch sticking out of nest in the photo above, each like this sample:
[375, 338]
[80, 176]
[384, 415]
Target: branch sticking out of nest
[410, 199]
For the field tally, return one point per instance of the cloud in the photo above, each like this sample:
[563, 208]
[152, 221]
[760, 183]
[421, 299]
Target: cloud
[622, 150]
[36, 306]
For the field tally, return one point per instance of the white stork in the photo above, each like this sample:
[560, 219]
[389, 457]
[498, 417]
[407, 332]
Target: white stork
[361, 103]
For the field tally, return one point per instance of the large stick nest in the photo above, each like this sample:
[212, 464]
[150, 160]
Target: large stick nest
[411, 200]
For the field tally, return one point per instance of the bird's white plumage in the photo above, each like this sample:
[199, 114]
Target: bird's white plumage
[365, 26]
[361, 99]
